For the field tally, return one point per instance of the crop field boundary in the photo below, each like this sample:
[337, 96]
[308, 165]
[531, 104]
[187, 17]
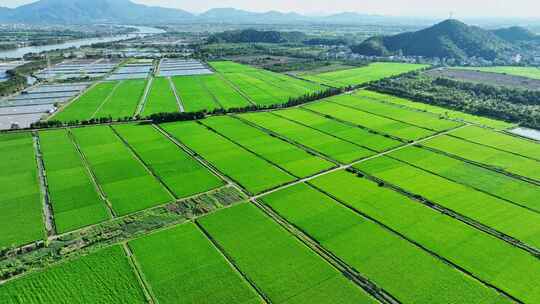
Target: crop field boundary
[92, 175]
[415, 243]
[485, 166]
[449, 212]
[349, 272]
[207, 90]
[496, 148]
[179, 103]
[144, 98]
[48, 214]
[463, 184]
[232, 263]
[234, 87]
[145, 287]
[106, 99]
[379, 115]
[72, 100]
[146, 167]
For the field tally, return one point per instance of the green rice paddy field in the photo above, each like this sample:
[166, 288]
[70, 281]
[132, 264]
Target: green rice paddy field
[357, 198]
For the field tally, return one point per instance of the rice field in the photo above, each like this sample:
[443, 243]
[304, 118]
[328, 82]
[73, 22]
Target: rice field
[161, 98]
[87, 104]
[361, 75]
[21, 219]
[194, 94]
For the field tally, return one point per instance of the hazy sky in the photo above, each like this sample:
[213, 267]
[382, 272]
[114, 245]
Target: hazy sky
[461, 8]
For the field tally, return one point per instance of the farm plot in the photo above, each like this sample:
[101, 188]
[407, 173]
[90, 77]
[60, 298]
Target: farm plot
[384, 257]
[340, 130]
[357, 76]
[264, 87]
[74, 198]
[183, 175]
[377, 123]
[528, 72]
[500, 185]
[226, 95]
[486, 155]
[161, 98]
[194, 94]
[182, 266]
[281, 266]
[459, 243]
[250, 171]
[479, 206]
[21, 218]
[124, 100]
[86, 105]
[415, 118]
[102, 277]
[447, 113]
[287, 156]
[332, 147]
[124, 180]
[500, 141]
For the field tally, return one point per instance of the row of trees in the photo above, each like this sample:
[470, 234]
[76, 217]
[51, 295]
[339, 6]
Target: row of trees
[509, 104]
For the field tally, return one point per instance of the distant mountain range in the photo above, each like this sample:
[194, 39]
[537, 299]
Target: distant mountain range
[126, 11]
[448, 39]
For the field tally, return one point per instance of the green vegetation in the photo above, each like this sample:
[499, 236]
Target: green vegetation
[87, 104]
[503, 186]
[250, 171]
[73, 196]
[488, 156]
[124, 180]
[183, 175]
[444, 112]
[355, 135]
[103, 277]
[498, 140]
[21, 219]
[387, 259]
[264, 87]
[226, 95]
[362, 75]
[161, 98]
[283, 268]
[333, 147]
[461, 244]
[287, 156]
[529, 72]
[123, 101]
[374, 122]
[479, 206]
[194, 94]
[182, 266]
[408, 116]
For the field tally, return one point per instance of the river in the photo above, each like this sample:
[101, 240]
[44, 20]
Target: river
[20, 52]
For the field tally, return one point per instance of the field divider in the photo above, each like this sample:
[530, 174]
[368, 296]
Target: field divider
[451, 213]
[485, 166]
[214, 98]
[336, 262]
[92, 175]
[176, 95]
[230, 260]
[463, 184]
[106, 99]
[290, 141]
[234, 87]
[251, 151]
[415, 243]
[348, 123]
[144, 98]
[71, 101]
[492, 147]
[147, 290]
[48, 211]
[146, 167]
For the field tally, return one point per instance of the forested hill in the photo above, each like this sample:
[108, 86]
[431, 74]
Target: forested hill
[448, 39]
[255, 36]
[515, 34]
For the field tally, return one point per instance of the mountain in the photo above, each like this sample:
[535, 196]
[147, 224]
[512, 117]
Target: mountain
[91, 11]
[232, 15]
[515, 34]
[255, 36]
[448, 39]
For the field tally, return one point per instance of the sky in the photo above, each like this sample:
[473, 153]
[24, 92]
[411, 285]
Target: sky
[427, 8]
